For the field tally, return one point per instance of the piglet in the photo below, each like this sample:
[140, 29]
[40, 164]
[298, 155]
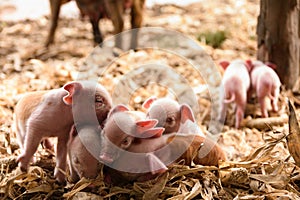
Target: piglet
[171, 115]
[160, 151]
[128, 125]
[43, 114]
[266, 83]
[82, 152]
[236, 83]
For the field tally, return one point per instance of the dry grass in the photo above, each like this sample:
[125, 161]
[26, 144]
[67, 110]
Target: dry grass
[259, 166]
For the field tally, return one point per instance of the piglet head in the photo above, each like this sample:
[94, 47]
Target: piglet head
[88, 98]
[168, 113]
[122, 128]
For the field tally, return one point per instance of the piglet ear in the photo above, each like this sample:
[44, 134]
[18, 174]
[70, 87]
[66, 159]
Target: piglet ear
[118, 108]
[224, 64]
[144, 125]
[71, 88]
[148, 102]
[186, 113]
[152, 133]
[272, 65]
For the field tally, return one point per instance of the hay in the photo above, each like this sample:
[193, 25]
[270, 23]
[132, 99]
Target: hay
[261, 165]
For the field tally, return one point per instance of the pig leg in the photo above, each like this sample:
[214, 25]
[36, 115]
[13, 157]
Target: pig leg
[239, 115]
[274, 99]
[136, 21]
[98, 39]
[240, 109]
[32, 142]
[55, 8]
[116, 9]
[263, 107]
[61, 157]
[20, 135]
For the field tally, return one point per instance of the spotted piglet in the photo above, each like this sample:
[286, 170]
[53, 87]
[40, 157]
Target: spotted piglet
[266, 83]
[236, 83]
[43, 114]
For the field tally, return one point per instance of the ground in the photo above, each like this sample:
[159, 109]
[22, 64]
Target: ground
[259, 164]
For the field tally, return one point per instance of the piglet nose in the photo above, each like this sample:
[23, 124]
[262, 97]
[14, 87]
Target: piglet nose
[106, 158]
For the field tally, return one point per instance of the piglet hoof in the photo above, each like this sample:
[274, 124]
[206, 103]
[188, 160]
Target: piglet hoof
[22, 165]
[23, 168]
[60, 177]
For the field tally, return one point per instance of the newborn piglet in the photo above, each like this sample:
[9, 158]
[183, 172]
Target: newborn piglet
[43, 114]
[83, 152]
[236, 83]
[171, 115]
[140, 156]
[266, 83]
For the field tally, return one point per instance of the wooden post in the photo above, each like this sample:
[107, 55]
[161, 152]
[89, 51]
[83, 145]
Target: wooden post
[278, 37]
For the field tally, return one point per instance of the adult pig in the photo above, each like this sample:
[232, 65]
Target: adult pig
[266, 83]
[236, 83]
[98, 9]
[83, 162]
[171, 115]
[43, 114]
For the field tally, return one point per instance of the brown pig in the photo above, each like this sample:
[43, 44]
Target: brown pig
[236, 83]
[43, 114]
[171, 115]
[266, 83]
[158, 151]
[98, 9]
[82, 162]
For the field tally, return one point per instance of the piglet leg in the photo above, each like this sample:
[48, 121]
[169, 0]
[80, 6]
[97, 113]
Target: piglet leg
[274, 100]
[239, 116]
[31, 144]
[263, 107]
[61, 156]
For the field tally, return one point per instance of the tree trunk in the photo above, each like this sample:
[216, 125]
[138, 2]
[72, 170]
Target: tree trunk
[278, 37]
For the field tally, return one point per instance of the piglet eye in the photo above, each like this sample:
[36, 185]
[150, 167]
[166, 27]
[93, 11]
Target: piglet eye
[169, 120]
[126, 142]
[99, 100]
